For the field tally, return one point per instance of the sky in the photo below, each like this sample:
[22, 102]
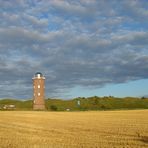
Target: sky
[83, 47]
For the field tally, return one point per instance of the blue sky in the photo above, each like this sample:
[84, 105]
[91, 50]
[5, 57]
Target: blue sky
[83, 47]
[130, 89]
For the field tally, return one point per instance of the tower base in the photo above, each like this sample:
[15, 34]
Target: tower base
[39, 107]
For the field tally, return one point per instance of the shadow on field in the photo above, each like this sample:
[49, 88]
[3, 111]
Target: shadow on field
[140, 137]
[144, 139]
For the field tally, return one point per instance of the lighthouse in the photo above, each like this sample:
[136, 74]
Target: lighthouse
[38, 91]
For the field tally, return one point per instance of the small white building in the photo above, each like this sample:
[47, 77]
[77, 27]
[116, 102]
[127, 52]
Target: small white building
[11, 106]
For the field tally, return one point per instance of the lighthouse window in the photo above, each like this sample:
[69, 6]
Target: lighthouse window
[38, 86]
[38, 94]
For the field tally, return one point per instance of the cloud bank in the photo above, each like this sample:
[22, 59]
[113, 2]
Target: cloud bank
[88, 43]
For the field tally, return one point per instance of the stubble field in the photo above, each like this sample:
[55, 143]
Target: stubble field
[94, 129]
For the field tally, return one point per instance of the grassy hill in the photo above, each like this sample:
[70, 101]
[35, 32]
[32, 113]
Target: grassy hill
[91, 103]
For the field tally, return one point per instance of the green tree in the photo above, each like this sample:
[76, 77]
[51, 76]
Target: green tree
[53, 108]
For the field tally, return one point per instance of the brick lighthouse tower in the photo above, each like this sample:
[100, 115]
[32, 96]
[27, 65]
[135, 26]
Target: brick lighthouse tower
[38, 91]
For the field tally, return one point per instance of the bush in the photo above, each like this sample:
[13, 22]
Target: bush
[53, 108]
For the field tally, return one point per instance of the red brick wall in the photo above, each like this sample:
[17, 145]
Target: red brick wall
[38, 93]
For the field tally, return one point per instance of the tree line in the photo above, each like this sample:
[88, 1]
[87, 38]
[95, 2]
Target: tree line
[81, 103]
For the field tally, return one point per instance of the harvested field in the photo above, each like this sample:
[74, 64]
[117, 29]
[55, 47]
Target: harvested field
[92, 129]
